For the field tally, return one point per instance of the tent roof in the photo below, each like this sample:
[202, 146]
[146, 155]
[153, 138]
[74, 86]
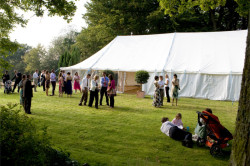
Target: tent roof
[203, 52]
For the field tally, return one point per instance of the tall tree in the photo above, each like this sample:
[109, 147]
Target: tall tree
[16, 60]
[215, 15]
[240, 155]
[33, 58]
[9, 18]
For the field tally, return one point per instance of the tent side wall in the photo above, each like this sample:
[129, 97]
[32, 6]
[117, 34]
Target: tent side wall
[206, 86]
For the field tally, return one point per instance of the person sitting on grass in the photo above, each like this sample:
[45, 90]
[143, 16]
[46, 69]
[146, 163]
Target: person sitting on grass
[177, 121]
[175, 133]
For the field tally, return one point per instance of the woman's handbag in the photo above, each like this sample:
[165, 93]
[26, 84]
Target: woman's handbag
[111, 92]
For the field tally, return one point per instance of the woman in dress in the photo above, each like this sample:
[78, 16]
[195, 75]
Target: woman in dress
[111, 91]
[77, 82]
[94, 92]
[175, 89]
[21, 91]
[47, 82]
[61, 84]
[68, 84]
[157, 95]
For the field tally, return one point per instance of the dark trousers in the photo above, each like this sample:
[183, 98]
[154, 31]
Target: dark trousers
[16, 84]
[112, 101]
[167, 94]
[27, 104]
[53, 87]
[84, 96]
[162, 95]
[102, 92]
[179, 134]
[43, 84]
[93, 96]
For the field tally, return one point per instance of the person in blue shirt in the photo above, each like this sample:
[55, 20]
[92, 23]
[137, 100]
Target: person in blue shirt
[104, 86]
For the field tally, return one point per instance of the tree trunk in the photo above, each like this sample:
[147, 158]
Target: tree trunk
[212, 17]
[240, 155]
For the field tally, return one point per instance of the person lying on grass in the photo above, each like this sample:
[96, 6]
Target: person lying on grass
[175, 133]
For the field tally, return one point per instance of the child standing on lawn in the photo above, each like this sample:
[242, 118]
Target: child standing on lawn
[177, 121]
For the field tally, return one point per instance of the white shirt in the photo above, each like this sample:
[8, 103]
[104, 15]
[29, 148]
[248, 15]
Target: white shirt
[52, 77]
[85, 83]
[93, 85]
[165, 127]
[161, 84]
[35, 75]
[167, 80]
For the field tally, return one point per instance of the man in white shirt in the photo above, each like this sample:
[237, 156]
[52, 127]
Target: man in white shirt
[175, 133]
[85, 89]
[161, 85]
[167, 88]
[53, 81]
[35, 80]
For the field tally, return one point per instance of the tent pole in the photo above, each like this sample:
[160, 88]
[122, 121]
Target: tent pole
[124, 78]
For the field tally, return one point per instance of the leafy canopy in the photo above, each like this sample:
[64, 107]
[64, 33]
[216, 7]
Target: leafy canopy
[141, 77]
[9, 18]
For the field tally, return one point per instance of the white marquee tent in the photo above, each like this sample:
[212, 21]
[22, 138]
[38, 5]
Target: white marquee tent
[208, 64]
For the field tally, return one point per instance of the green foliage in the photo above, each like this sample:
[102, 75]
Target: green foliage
[22, 144]
[141, 77]
[217, 15]
[33, 58]
[9, 19]
[244, 7]
[108, 72]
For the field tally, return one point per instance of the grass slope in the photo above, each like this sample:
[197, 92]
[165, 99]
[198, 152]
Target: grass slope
[127, 135]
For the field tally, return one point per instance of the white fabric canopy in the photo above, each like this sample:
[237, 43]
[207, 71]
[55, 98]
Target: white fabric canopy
[209, 64]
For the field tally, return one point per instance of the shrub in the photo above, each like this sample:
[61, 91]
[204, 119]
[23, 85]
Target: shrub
[22, 144]
[141, 77]
[115, 75]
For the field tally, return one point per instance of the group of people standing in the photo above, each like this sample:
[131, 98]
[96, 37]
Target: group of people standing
[106, 87]
[160, 86]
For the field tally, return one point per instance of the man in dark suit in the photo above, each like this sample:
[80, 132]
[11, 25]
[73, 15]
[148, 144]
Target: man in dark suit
[27, 94]
[18, 78]
[5, 77]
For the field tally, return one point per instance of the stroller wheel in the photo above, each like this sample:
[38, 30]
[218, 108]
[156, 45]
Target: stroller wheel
[216, 150]
[200, 142]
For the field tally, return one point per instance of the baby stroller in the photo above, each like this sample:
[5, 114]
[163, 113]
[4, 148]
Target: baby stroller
[217, 135]
[7, 87]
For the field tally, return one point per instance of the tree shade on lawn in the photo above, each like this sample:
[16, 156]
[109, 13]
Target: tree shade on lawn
[129, 134]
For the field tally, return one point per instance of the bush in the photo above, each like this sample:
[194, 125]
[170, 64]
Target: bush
[141, 77]
[22, 144]
[115, 76]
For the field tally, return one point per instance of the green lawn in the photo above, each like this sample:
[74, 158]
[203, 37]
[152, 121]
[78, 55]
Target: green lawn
[127, 135]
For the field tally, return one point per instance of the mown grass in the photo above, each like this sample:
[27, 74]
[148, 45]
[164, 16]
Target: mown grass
[127, 135]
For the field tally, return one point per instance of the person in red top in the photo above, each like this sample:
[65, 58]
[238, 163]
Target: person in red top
[111, 91]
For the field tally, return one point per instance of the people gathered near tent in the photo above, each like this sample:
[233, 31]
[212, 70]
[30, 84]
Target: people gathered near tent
[6, 77]
[85, 89]
[104, 86]
[35, 79]
[175, 89]
[157, 94]
[111, 90]
[76, 82]
[17, 77]
[94, 92]
[68, 87]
